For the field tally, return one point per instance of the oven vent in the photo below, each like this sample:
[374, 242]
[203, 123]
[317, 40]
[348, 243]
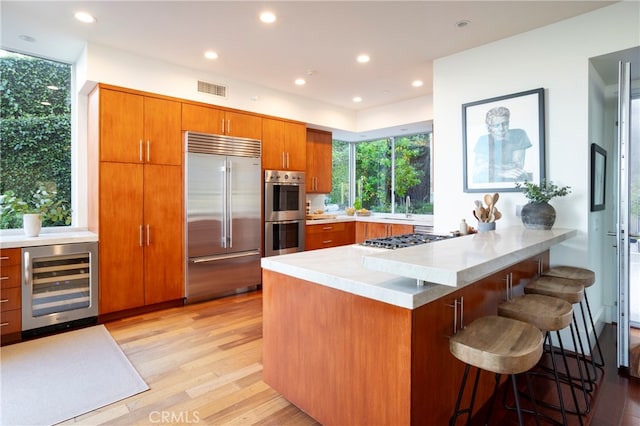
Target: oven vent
[212, 89]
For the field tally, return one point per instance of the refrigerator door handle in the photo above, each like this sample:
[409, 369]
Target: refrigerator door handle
[225, 195]
[230, 206]
[224, 257]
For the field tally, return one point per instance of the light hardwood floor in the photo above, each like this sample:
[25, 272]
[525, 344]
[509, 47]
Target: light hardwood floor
[203, 364]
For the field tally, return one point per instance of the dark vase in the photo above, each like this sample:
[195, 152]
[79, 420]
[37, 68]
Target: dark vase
[538, 215]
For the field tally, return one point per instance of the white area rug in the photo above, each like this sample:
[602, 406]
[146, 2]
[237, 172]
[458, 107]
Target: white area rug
[55, 378]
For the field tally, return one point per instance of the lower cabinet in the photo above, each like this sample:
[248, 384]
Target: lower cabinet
[368, 230]
[141, 235]
[10, 295]
[329, 235]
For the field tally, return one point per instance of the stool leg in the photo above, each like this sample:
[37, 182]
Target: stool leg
[566, 366]
[515, 396]
[593, 363]
[557, 378]
[468, 410]
[595, 332]
[584, 358]
[493, 398]
[533, 399]
[583, 383]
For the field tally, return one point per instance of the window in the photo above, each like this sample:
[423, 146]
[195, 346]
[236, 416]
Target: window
[35, 130]
[379, 175]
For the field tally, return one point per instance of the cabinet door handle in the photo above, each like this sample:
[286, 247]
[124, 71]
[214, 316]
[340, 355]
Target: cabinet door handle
[327, 241]
[4, 324]
[4, 278]
[140, 150]
[287, 160]
[148, 151]
[461, 312]
[4, 300]
[4, 258]
[327, 228]
[140, 235]
[148, 234]
[284, 166]
[223, 126]
[229, 126]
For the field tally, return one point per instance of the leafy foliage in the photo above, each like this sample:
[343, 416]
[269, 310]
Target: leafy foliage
[542, 193]
[35, 134]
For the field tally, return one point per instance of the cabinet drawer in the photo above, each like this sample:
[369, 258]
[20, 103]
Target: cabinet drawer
[10, 321]
[325, 228]
[10, 299]
[10, 257]
[10, 276]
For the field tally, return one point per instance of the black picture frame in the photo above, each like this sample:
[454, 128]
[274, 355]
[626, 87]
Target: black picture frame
[485, 165]
[598, 177]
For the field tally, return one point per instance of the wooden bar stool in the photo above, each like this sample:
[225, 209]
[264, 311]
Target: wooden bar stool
[548, 314]
[499, 345]
[572, 292]
[586, 278]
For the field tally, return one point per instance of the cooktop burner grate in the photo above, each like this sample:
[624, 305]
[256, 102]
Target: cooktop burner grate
[401, 241]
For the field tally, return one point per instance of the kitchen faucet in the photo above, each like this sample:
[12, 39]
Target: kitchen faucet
[406, 206]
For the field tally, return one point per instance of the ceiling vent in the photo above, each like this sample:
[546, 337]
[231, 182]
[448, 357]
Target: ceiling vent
[212, 89]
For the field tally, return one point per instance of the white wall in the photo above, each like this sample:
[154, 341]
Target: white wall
[556, 58]
[111, 66]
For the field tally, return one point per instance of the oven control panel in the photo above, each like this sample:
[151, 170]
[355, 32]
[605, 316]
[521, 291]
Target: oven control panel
[283, 176]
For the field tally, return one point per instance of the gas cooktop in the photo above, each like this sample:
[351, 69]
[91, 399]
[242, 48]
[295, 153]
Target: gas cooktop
[406, 240]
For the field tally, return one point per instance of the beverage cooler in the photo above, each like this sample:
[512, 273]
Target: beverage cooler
[59, 286]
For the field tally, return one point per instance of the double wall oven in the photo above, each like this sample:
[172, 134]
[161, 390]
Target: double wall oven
[284, 212]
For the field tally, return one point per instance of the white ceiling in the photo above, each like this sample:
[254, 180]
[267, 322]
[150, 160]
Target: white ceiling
[317, 40]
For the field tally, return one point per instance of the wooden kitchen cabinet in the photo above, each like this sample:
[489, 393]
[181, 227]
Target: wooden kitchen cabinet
[368, 230]
[319, 161]
[141, 255]
[10, 295]
[284, 145]
[136, 207]
[207, 119]
[330, 346]
[139, 129]
[329, 235]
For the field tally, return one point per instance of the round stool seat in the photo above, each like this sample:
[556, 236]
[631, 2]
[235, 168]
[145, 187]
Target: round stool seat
[545, 312]
[562, 288]
[497, 344]
[583, 276]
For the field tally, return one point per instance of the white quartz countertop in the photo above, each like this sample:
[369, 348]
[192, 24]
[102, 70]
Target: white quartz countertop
[416, 220]
[47, 237]
[390, 275]
[459, 261]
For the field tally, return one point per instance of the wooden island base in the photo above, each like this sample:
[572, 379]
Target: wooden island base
[349, 360]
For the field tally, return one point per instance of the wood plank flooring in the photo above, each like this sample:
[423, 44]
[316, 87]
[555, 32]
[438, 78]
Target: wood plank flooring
[203, 364]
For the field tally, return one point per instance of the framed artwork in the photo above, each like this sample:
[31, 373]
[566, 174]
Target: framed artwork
[503, 142]
[598, 176]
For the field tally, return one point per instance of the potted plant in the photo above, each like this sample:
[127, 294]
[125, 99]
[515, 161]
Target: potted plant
[538, 213]
[42, 207]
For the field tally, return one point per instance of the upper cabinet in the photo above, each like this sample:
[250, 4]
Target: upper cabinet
[319, 165]
[283, 145]
[205, 119]
[139, 129]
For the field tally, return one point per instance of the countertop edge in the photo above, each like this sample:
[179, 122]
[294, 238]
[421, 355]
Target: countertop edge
[8, 241]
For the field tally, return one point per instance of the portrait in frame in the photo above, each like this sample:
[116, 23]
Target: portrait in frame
[503, 142]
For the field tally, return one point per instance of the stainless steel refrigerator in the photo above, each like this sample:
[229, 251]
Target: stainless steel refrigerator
[223, 209]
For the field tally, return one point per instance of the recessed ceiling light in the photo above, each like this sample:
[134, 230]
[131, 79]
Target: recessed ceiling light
[268, 17]
[51, 87]
[417, 83]
[210, 54]
[85, 17]
[363, 59]
[300, 81]
[26, 38]
[462, 23]
[357, 99]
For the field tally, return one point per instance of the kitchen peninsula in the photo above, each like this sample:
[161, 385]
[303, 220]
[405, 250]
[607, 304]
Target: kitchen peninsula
[355, 335]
